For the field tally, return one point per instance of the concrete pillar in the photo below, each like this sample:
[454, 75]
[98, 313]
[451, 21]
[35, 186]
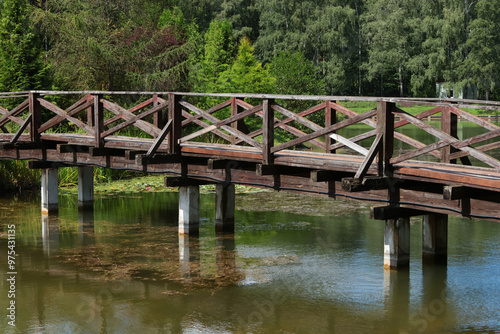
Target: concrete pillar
[224, 208]
[397, 243]
[435, 238]
[85, 187]
[189, 256]
[50, 191]
[189, 210]
[50, 235]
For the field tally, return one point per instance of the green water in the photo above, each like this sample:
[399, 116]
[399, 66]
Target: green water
[296, 264]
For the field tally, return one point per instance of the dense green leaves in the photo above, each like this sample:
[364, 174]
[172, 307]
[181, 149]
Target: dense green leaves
[365, 47]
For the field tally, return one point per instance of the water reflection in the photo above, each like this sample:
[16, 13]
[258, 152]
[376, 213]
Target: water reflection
[189, 256]
[86, 234]
[50, 234]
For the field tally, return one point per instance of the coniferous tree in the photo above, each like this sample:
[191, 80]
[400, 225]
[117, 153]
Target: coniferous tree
[21, 62]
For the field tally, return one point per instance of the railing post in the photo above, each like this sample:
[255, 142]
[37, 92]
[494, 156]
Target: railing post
[158, 116]
[449, 122]
[267, 132]
[175, 114]
[238, 125]
[90, 113]
[330, 119]
[98, 120]
[36, 116]
[385, 126]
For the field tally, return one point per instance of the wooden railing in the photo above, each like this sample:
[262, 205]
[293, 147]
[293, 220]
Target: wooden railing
[170, 120]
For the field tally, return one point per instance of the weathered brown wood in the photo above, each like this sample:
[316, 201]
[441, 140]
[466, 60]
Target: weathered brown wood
[327, 175]
[143, 159]
[11, 115]
[130, 154]
[394, 212]
[22, 128]
[330, 119]
[160, 138]
[215, 120]
[70, 148]
[458, 192]
[222, 123]
[175, 114]
[106, 152]
[131, 119]
[36, 112]
[267, 132]
[262, 170]
[473, 118]
[210, 111]
[98, 121]
[218, 132]
[448, 126]
[36, 164]
[238, 125]
[58, 118]
[230, 164]
[324, 131]
[441, 135]
[64, 115]
[172, 181]
[374, 151]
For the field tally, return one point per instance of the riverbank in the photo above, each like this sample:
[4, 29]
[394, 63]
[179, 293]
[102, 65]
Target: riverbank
[148, 183]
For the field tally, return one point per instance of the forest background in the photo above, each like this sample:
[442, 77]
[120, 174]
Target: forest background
[322, 47]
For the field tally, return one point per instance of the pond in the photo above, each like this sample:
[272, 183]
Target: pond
[296, 264]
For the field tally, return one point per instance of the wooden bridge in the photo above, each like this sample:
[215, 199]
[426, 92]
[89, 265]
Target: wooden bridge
[236, 142]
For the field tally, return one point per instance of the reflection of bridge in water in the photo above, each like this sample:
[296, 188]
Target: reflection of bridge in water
[92, 303]
[247, 153]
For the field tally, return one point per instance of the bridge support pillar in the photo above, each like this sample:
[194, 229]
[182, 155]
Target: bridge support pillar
[224, 208]
[85, 187]
[189, 210]
[50, 191]
[397, 243]
[435, 238]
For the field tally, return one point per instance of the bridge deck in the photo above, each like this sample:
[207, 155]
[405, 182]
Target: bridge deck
[247, 152]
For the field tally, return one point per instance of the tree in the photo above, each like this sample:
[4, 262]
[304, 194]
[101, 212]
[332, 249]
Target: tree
[483, 61]
[21, 62]
[246, 75]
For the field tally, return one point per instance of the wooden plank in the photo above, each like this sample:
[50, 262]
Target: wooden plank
[420, 151]
[144, 159]
[22, 128]
[106, 152]
[215, 120]
[327, 175]
[374, 151]
[171, 181]
[222, 123]
[472, 118]
[10, 116]
[205, 125]
[218, 107]
[98, 121]
[36, 120]
[70, 148]
[448, 126]
[58, 119]
[330, 119]
[325, 131]
[441, 135]
[175, 114]
[160, 138]
[65, 115]
[394, 212]
[230, 164]
[131, 119]
[268, 132]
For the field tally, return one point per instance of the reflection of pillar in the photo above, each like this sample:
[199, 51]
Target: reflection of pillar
[189, 256]
[50, 234]
[86, 227]
[397, 243]
[189, 210]
[226, 254]
[433, 312]
[224, 207]
[85, 187]
[49, 191]
[397, 297]
[435, 238]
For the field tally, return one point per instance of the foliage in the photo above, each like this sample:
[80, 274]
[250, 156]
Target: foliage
[21, 62]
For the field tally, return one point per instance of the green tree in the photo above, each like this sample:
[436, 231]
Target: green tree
[483, 61]
[21, 62]
[246, 75]
[218, 57]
